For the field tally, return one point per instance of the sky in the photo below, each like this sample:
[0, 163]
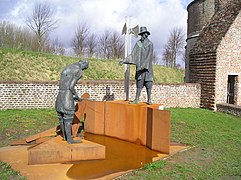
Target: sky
[159, 16]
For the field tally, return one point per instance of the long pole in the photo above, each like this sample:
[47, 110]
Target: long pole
[127, 52]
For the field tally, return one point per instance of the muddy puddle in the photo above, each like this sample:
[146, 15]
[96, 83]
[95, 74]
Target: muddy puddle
[120, 156]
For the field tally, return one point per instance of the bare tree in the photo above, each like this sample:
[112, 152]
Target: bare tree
[57, 47]
[91, 45]
[166, 57]
[155, 58]
[104, 45]
[41, 22]
[174, 47]
[13, 36]
[117, 45]
[80, 38]
[7, 34]
[183, 56]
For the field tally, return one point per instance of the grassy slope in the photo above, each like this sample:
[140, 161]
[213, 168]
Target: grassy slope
[216, 138]
[16, 65]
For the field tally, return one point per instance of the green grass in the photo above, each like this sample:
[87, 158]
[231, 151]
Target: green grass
[18, 124]
[216, 154]
[19, 65]
[215, 137]
[7, 173]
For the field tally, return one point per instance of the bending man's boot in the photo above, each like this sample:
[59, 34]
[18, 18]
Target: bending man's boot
[62, 129]
[61, 123]
[70, 140]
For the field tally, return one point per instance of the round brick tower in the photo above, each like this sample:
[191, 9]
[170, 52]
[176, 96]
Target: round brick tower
[199, 14]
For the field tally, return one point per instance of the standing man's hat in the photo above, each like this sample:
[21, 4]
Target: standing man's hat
[143, 30]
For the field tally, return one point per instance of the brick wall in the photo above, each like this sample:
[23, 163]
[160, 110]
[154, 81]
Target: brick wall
[229, 62]
[202, 70]
[199, 13]
[230, 109]
[216, 54]
[25, 95]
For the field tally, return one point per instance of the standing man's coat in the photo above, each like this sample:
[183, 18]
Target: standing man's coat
[141, 56]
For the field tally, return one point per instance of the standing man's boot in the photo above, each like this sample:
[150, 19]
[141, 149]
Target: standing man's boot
[136, 100]
[148, 90]
[149, 97]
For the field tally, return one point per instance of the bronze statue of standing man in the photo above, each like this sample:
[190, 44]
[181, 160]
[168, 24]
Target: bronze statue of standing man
[64, 104]
[142, 57]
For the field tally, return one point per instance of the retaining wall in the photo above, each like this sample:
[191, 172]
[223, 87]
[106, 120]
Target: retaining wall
[26, 95]
[230, 109]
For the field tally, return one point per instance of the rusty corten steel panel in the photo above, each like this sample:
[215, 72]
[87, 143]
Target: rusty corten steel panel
[139, 123]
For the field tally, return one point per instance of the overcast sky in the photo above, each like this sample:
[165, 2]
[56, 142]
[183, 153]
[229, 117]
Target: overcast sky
[159, 16]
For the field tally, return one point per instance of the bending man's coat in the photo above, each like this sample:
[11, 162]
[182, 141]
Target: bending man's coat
[65, 99]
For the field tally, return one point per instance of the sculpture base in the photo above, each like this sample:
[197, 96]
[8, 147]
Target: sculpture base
[138, 123]
[17, 157]
[56, 150]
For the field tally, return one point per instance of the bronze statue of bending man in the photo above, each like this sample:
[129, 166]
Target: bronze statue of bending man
[64, 104]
